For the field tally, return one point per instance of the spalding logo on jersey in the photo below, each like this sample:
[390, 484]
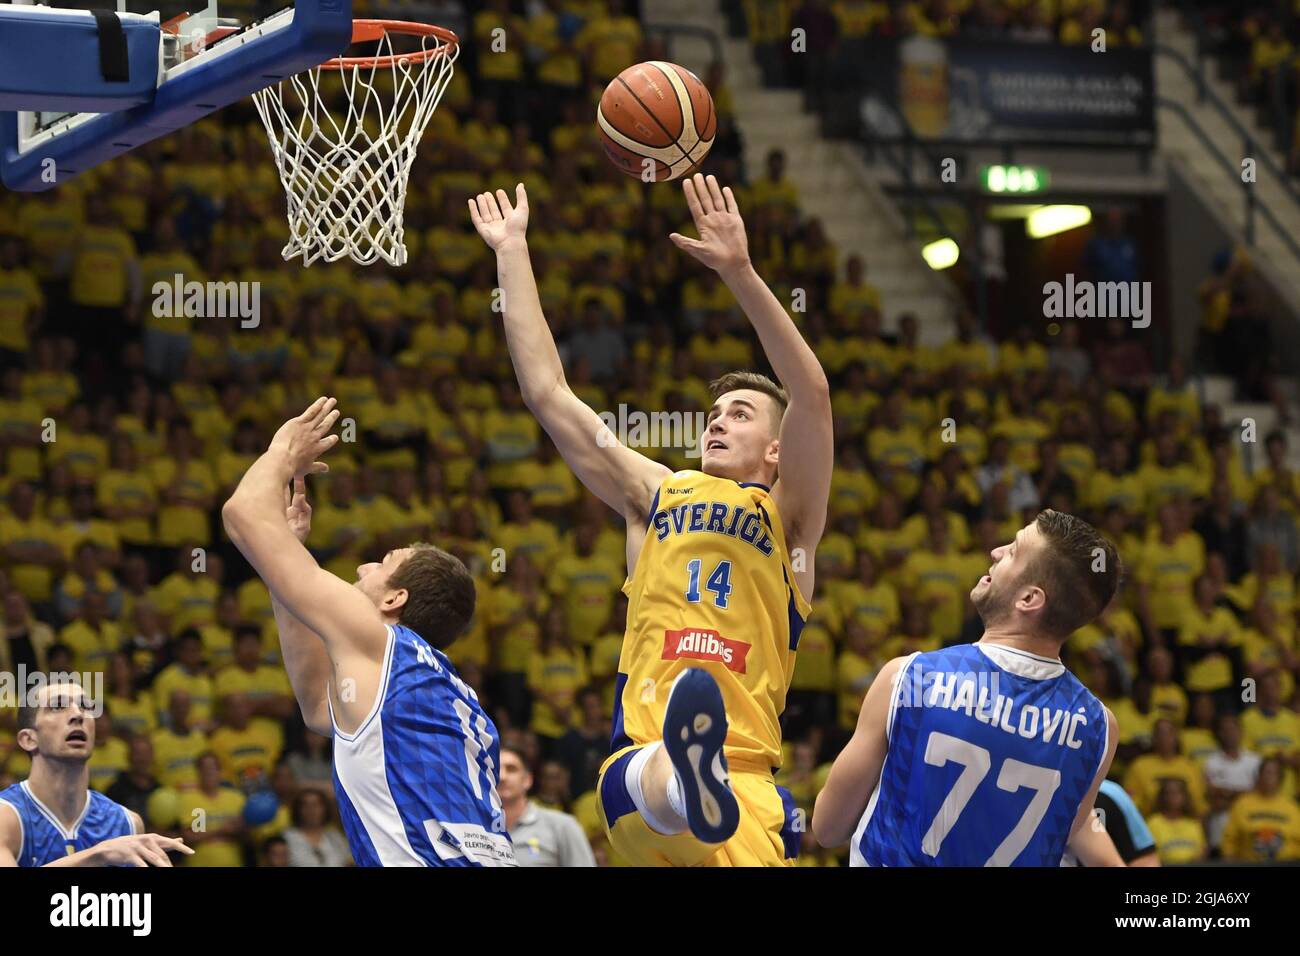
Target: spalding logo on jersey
[703, 644]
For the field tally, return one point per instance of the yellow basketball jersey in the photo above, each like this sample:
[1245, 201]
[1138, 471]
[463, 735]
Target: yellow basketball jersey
[712, 588]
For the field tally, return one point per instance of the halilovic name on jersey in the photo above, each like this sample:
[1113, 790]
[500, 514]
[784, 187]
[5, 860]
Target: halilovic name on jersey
[991, 752]
[417, 782]
[44, 838]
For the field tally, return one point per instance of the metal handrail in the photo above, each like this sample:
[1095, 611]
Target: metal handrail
[682, 29]
[903, 167]
[1205, 95]
[914, 195]
[1252, 204]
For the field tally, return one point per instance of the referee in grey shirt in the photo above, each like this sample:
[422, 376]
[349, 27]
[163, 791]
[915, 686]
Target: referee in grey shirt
[541, 837]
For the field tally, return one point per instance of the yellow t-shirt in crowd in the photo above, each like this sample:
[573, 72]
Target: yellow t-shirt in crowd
[175, 757]
[1169, 570]
[1263, 829]
[1170, 701]
[853, 675]
[92, 647]
[558, 673]
[518, 641]
[610, 44]
[876, 607]
[1178, 840]
[162, 268]
[109, 759]
[35, 581]
[814, 668]
[187, 600]
[1266, 735]
[199, 686]
[20, 298]
[586, 588]
[215, 811]
[1213, 671]
[132, 716]
[99, 267]
[254, 749]
[1146, 774]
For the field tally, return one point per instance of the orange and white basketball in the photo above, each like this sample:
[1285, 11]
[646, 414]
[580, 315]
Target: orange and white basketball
[659, 112]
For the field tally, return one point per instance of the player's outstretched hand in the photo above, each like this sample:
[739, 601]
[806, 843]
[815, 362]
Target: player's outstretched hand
[297, 509]
[722, 245]
[142, 849]
[304, 438]
[496, 220]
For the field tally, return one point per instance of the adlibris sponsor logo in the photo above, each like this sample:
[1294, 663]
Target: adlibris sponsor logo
[703, 644]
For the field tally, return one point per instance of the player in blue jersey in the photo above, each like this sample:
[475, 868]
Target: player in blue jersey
[53, 818]
[985, 754]
[415, 756]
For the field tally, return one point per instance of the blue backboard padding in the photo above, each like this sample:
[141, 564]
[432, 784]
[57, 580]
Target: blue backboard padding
[51, 62]
[321, 29]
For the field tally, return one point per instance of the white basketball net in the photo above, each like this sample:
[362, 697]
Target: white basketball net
[346, 178]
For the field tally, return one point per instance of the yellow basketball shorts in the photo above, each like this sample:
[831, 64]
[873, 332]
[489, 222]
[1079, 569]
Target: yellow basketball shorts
[766, 835]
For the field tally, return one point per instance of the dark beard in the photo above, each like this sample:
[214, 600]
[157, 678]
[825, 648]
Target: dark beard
[991, 606]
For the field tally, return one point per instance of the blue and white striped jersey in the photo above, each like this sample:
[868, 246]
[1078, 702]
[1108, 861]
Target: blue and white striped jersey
[991, 752]
[44, 838]
[416, 783]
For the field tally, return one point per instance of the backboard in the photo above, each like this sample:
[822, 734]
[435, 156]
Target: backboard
[186, 60]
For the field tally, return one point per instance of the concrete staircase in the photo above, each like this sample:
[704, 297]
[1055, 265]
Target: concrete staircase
[1222, 391]
[834, 184]
[1220, 186]
[1221, 190]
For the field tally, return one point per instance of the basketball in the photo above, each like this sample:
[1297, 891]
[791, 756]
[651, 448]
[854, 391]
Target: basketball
[660, 112]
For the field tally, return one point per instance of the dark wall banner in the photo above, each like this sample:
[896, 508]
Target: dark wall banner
[975, 90]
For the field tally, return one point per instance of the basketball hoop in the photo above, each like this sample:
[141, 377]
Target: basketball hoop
[345, 177]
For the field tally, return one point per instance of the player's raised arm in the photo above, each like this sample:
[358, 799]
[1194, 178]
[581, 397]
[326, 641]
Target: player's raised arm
[622, 478]
[254, 518]
[807, 448]
[305, 659]
[856, 771]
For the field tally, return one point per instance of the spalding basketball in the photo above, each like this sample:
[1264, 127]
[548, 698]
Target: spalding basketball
[656, 121]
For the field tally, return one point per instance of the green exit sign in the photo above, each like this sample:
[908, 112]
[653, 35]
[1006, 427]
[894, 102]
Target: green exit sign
[1015, 180]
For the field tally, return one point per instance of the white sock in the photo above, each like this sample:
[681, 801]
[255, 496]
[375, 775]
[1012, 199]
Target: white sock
[675, 796]
[635, 767]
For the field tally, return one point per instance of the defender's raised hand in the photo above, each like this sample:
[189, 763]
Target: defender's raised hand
[496, 220]
[722, 245]
[305, 438]
[297, 509]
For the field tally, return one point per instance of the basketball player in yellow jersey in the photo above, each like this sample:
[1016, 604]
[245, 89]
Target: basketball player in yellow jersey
[715, 602]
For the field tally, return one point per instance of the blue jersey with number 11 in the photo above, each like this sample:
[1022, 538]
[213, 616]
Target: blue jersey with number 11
[416, 782]
[991, 752]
